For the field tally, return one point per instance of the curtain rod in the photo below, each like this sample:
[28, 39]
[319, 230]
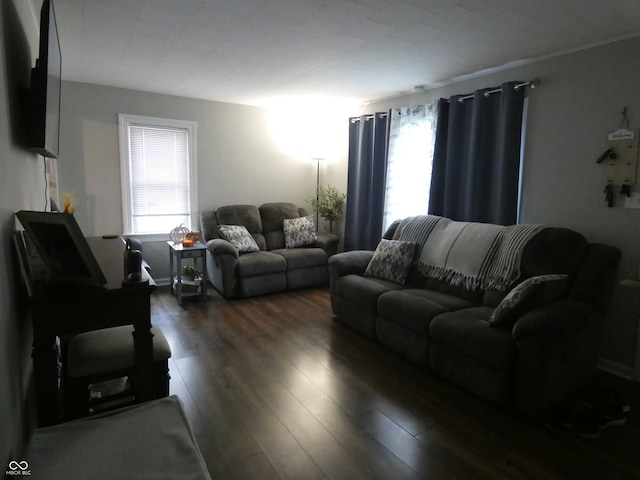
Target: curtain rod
[369, 117]
[533, 84]
[379, 114]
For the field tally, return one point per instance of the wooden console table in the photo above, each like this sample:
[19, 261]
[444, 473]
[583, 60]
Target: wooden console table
[60, 311]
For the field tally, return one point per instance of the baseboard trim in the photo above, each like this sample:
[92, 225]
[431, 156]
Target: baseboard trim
[616, 368]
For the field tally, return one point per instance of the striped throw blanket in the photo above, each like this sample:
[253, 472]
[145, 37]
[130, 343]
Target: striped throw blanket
[503, 267]
[417, 230]
[473, 255]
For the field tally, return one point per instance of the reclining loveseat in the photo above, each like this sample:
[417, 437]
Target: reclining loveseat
[512, 314]
[254, 250]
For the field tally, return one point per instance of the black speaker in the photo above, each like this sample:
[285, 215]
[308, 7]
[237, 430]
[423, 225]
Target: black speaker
[132, 263]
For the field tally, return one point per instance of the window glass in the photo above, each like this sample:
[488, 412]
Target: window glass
[157, 174]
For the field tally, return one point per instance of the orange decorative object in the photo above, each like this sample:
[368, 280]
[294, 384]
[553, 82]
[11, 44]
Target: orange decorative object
[187, 242]
[195, 236]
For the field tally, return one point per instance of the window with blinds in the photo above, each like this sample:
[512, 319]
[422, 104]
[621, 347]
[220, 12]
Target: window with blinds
[158, 174]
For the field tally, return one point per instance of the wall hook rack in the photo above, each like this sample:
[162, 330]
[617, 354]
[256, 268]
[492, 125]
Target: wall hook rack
[609, 153]
[622, 155]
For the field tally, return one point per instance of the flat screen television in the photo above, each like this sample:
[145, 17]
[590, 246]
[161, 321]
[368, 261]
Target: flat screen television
[44, 93]
[63, 248]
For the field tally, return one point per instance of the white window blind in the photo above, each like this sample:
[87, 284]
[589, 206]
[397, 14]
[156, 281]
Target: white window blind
[158, 185]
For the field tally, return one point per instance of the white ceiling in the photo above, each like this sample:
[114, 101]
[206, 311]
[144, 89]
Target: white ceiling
[257, 51]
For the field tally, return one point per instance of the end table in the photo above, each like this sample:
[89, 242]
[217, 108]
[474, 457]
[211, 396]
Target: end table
[179, 252]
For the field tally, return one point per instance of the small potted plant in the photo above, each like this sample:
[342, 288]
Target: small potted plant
[191, 278]
[329, 204]
[191, 272]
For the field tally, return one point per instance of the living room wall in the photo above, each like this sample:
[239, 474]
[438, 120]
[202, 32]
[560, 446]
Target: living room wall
[241, 161]
[243, 157]
[578, 103]
[22, 186]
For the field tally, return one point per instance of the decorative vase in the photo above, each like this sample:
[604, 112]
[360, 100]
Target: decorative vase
[177, 234]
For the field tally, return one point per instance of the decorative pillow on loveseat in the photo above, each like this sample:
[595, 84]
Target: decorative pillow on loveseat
[299, 232]
[532, 292]
[240, 237]
[391, 260]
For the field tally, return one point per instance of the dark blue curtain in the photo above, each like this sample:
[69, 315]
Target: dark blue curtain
[476, 164]
[368, 138]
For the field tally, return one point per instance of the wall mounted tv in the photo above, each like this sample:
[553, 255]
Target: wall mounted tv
[44, 94]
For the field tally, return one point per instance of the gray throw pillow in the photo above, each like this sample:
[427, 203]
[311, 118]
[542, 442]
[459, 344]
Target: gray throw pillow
[299, 232]
[240, 237]
[391, 260]
[532, 292]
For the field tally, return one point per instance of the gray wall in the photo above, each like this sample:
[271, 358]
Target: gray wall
[570, 114]
[22, 186]
[240, 160]
[242, 157]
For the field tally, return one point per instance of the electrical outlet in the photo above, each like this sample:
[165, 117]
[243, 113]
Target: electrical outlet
[633, 201]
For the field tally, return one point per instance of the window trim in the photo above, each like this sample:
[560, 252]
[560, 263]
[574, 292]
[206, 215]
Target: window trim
[125, 120]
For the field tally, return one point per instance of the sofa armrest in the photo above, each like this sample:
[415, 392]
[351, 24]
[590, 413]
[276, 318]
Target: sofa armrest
[328, 242]
[557, 354]
[347, 263]
[222, 261]
[556, 320]
[218, 246]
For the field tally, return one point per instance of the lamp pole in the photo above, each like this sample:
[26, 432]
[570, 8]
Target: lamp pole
[317, 160]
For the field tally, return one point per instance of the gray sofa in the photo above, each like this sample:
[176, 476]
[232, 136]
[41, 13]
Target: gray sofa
[274, 267]
[511, 314]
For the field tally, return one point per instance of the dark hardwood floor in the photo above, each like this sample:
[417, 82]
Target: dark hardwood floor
[277, 389]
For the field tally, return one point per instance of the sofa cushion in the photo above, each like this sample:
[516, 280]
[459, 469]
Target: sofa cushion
[473, 296]
[273, 214]
[355, 301]
[260, 263]
[303, 257]
[414, 308]
[391, 260]
[245, 215]
[553, 250]
[299, 232]
[208, 225]
[240, 237]
[532, 292]
[363, 291]
[492, 298]
[467, 331]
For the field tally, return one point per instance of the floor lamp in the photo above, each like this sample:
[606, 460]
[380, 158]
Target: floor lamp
[317, 160]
